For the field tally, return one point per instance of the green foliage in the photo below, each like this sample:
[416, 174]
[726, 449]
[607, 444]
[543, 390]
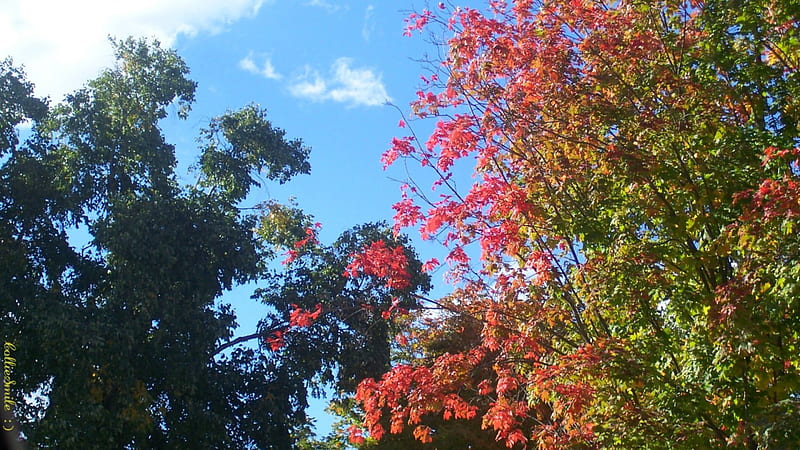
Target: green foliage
[111, 272]
[17, 104]
[280, 226]
[241, 143]
[97, 324]
[109, 141]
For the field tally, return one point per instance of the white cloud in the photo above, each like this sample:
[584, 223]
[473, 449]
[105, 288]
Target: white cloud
[267, 70]
[63, 43]
[310, 86]
[330, 7]
[354, 86]
[369, 24]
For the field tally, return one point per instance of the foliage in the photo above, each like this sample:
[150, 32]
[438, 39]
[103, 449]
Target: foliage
[243, 142]
[112, 271]
[318, 294]
[635, 206]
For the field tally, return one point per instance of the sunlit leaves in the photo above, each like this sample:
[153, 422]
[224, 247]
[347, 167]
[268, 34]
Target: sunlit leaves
[240, 144]
[634, 198]
[379, 260]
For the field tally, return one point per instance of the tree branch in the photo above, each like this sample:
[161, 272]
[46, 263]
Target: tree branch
[238, 340]
[246, 338]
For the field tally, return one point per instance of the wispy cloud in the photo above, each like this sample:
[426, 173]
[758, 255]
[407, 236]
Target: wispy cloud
[71, 35]
[346, 84]
[310, 85]
[325, 4]
[266, 70]
[369, 24]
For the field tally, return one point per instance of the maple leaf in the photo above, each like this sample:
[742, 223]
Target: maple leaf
[423, 433]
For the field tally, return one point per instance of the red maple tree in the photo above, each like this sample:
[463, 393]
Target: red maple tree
[635, 205]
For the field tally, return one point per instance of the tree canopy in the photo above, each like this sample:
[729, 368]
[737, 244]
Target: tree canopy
[625, 258]
[113, 271]
[635, 208]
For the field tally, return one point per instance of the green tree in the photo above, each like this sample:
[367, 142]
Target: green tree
[112, 271]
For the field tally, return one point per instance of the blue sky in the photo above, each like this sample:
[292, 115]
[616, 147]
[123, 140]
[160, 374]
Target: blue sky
[324, 70]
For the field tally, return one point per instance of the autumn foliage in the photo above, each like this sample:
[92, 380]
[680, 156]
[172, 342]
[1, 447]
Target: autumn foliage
[381, 261]
[634, 205]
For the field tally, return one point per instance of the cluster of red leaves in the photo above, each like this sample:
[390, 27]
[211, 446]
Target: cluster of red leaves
[773, 198]
[407, 394]
[381, 261]
[275, 340]
[533, 56]
[355, 434]
[434, 392]
[400, 147]
[773, 204]
[417, 22]
[299, 246]
[300, 317]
